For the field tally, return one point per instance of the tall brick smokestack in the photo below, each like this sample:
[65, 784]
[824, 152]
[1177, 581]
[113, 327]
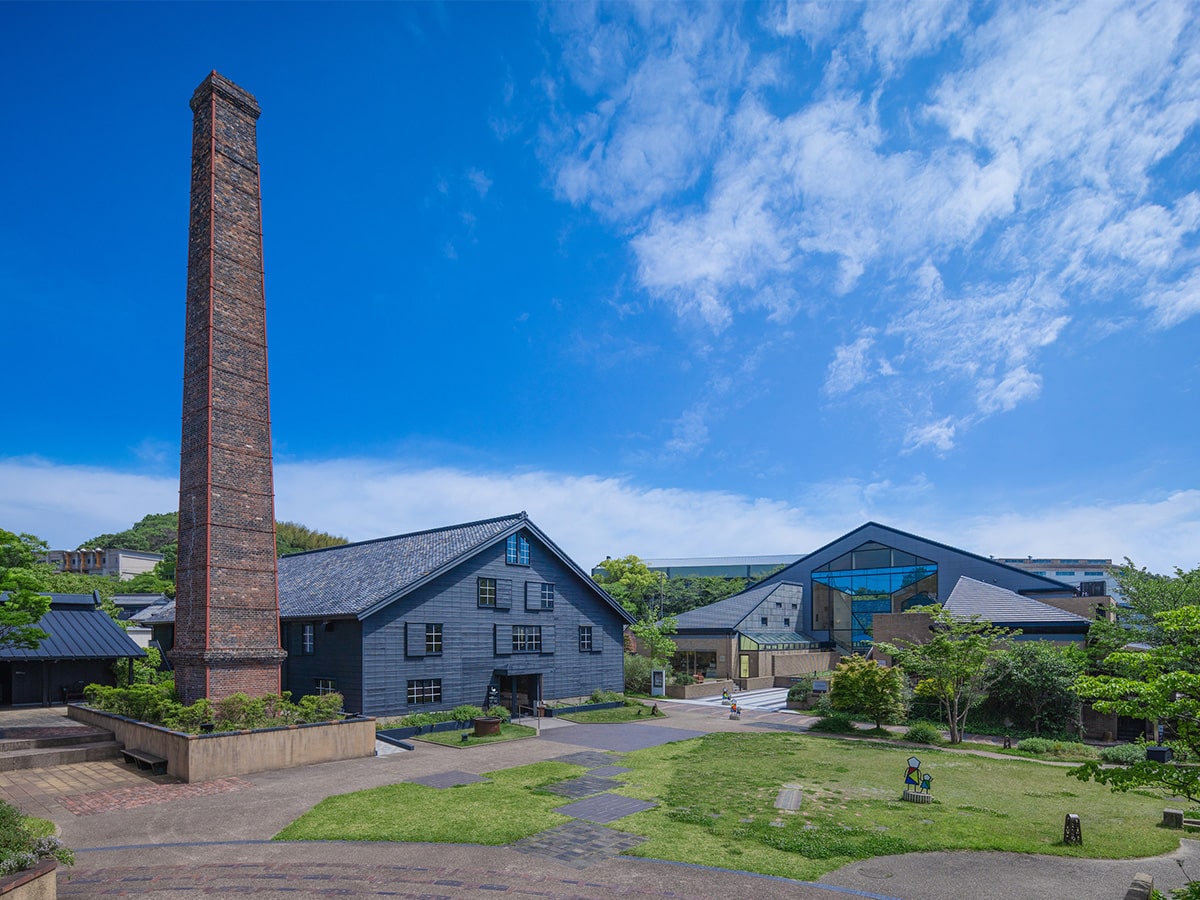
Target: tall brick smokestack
[227, 594]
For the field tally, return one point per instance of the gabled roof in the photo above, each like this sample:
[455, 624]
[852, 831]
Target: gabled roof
[78, 630]
[727, 614]
[358, 579]
[157, 614]
[1001, 606]
[1050, 583]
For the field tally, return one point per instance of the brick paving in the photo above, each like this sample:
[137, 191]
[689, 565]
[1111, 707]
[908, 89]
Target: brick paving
[587, 758]
[450, 779]
[583, 786]
[97, 802]
[578, 844]
[603, 808]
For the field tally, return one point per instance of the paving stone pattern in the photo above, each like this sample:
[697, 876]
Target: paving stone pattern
[578, 844]
[447, 779]
[603, 808]
[583, 786]
[587, 758]
[147, 795]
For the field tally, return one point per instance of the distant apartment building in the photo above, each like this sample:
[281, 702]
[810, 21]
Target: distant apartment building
[1089, 577]
[124, 564]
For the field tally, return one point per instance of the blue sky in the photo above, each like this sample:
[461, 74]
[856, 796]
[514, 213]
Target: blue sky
[676, 279]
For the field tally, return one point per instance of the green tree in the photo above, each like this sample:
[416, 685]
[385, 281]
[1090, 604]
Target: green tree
[1145, 595]
[690, 592]
[655, 635]
[19, 551]
[22, 609]
[864, 687]
[953, 666]
[292, 537]
[631, 583]
[1160, 683]
[1034, 685]
[149, 535]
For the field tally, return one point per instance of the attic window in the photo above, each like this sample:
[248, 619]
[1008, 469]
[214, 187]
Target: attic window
[516, 550]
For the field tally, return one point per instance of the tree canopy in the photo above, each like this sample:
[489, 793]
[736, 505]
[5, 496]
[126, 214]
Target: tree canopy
[21, 611]
[1136, 620]
[631, 583]
[954, 665]
[1161, 682]
[865, 687]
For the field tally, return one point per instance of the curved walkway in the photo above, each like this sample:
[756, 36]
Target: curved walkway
[153, 838]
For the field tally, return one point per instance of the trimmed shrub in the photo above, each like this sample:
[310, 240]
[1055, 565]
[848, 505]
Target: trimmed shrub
[157, 705]
[1046, 747]
[466, 713]
[599, 696]
[834, 723]
[499, 712]
[924, 733]
[637, 673]
[1123, 754]
[683, 678]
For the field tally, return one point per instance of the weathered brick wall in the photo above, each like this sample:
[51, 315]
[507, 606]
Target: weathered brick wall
[227, 602]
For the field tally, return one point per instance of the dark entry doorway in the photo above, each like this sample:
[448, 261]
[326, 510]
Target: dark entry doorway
[520, 693]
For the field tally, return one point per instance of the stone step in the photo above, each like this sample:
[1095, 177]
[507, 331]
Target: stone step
[34, 738]
[44, 757]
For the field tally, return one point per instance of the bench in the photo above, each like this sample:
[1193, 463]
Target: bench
[72, 692]
[146, 760]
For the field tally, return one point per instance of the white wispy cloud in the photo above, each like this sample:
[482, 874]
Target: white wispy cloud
[1022, 160]
[592, 517]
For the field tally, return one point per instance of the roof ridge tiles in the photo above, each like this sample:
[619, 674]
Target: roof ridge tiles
[516, 517]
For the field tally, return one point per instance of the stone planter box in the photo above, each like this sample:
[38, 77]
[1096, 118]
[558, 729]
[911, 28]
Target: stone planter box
[202, 757]
[704, 689]
[37, 883]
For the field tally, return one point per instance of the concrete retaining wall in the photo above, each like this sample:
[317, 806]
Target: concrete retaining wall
[201, 757]
[705, 689]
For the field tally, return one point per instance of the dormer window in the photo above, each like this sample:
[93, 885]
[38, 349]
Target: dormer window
[516, 550]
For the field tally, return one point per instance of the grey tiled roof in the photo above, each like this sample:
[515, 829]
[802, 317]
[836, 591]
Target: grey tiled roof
[78, 630]
[727, 614]
[158, 614]
[352, 578]
[1001, 606]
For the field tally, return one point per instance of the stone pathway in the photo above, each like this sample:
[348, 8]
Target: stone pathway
[578, 844]
[604, 808]
[583, 786]
[96, 802]
[449, 779]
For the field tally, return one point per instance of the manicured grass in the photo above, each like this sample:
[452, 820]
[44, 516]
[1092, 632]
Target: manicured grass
[617, 714]
[718, 792]
[716, 797]
[508, 732]
[505, 809]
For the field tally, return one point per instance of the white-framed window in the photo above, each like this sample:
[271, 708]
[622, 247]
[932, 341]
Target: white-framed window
[585, 638]
[487, 592]
[527, 639]
[424, 690]
[326, 686]
[308, 638]
[433, 639]
[516, 550]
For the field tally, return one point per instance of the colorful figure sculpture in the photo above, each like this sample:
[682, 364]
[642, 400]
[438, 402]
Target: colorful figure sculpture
[912, 775]
[926, 783]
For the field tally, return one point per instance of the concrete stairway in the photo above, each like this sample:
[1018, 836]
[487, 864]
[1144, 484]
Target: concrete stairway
[36, 748]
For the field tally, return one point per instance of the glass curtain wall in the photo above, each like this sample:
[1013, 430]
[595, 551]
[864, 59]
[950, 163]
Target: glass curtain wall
[872, 578]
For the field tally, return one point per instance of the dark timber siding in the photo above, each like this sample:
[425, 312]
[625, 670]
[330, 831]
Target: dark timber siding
[337, 655]
[469, 660]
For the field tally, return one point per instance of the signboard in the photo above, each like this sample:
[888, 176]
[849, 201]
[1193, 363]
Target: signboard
[658, 682]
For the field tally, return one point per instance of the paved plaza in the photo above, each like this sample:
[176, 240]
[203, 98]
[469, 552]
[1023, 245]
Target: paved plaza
[153, 837]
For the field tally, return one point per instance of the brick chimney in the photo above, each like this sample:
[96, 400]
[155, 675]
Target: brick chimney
[227, 594]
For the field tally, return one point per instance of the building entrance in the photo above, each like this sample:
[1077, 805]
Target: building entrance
[521, 693]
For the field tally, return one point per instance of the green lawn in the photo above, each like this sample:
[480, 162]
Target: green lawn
[617, 714]
[716, 806]
[508, 732]
[504, 809]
